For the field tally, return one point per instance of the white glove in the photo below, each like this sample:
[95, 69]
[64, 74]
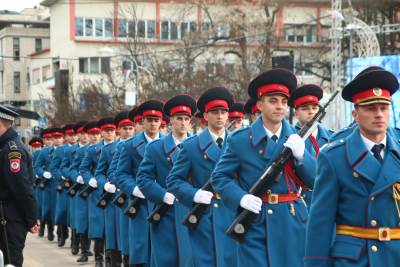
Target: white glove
[296, 144]
[137, 193]
[251, 203]
[93, 182]
[110, 188]
[63, 178]
[203, 197]
[47, 175]
[80, 180]
[169, 198]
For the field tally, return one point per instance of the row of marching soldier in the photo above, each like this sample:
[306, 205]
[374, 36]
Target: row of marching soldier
[335, 202]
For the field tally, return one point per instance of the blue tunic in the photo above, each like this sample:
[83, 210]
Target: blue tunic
[276, 237]
[191, 170]
[170, 240]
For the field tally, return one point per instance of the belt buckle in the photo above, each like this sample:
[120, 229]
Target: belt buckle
[384, 234]
[273, 198]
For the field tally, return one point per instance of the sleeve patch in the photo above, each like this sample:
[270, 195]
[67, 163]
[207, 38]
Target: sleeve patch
[15, 165]
[14, 155]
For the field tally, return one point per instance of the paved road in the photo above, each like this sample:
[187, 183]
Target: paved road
[39, 252]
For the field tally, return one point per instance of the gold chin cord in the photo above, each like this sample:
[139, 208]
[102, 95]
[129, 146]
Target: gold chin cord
[396, 197]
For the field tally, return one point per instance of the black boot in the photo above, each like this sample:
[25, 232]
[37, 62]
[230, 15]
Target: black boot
[116, 259]
[125, 261]
[99, 252]
[85, 244]
[74, 243]
[41, 229]
[50, 229]
[107, 258]
[61, 235]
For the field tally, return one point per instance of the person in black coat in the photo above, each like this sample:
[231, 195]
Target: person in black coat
[18, 209]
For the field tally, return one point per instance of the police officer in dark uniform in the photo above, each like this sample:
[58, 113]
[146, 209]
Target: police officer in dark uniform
[18, 209]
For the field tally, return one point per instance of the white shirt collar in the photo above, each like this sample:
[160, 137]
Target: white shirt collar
[178, 142]
[151, 139]
[214, 136]
[315, 133]
[82, 145]
[270, 134]
[106, 143]
[369, 144]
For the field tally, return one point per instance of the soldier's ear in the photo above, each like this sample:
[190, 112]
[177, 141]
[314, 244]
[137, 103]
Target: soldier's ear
[354, 113]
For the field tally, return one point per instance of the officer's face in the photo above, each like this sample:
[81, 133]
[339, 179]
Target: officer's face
[94, 138]
[126, 131]
[151, 125]
[47, 141]
[83, 138]
[273, 108]
[180, 124]
[372, 119]
[71, 138]
[139, 126]
[216, 119]
[108, 134]
[306, 112]
[58, 140]
[235, 124]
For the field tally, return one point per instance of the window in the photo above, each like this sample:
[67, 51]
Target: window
[108, 27]
[206, 25]
[16, 49]
[164, 30]
[193, 26]
[88, 27]
[36, 76]
[84, 65]
[17, 82]
[94, 65]
[173, 31]
[223, 31]
[99, 27]
[105, 65]
[38, 45]
[304, 69]
[151, 29]
[141, 29]
[78, 26]
[122, 28]
[302, 34]
[46, 74]
[131, 29]
[184, 29]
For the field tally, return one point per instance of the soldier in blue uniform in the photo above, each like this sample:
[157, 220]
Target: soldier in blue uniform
[305, 100]
[126, 128]
[164, 125]
[201, 122]
[95, 215]
[36, 144]
[41, 168]
[80, 205]
[192, 169]
[59, 200]
[250, 109]
[108, 128]
[276, 235]
[235, 116]
[72, 136]
[131, 155]
[357, 189]
[137, 118]
[169, 238]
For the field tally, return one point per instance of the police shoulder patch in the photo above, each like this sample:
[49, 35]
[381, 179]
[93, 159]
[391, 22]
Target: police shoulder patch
[15, 165]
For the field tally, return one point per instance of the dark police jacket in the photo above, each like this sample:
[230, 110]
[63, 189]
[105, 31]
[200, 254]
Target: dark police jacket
[16, 180]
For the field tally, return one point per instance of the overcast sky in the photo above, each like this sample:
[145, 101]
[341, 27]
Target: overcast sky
[17, 5]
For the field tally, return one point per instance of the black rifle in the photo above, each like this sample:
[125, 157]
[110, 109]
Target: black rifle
[104, 200]
[75, 188]
[43, 183]
[192, 219]
[120, 199]
[133, 207]
[238, 228]
[156, 215]
[68, 183]
[86, 191]
[60, 185]
[36, 181]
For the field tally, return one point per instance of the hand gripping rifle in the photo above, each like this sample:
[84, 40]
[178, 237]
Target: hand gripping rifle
[86, 191]
[192, 219]
[105, 198]
[120, 199]
[238, 228]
